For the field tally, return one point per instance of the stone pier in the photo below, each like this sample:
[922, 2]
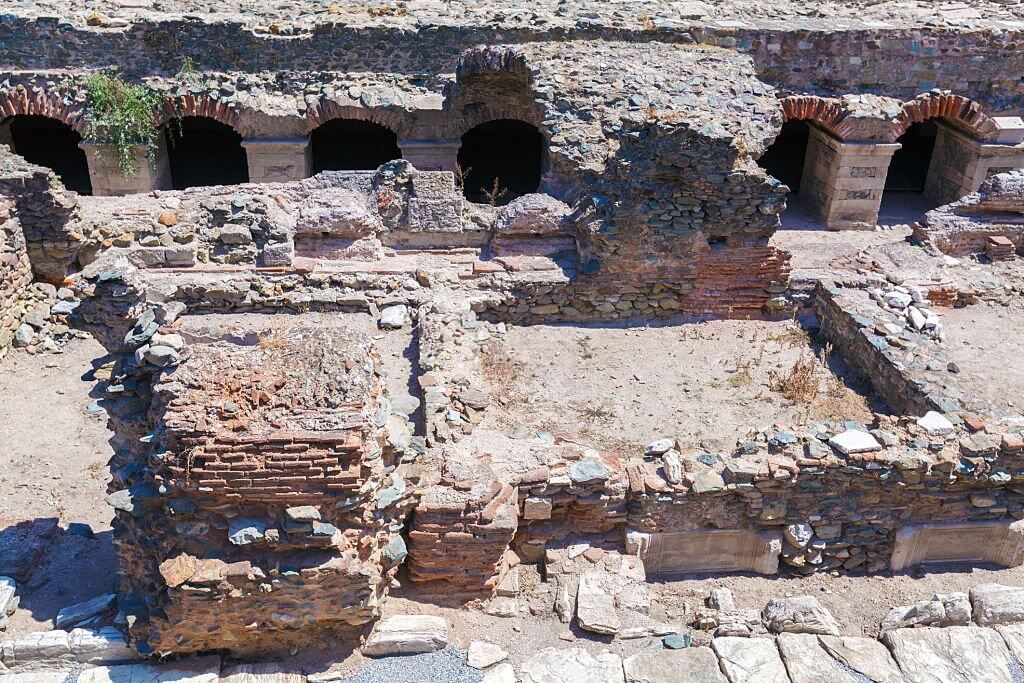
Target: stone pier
[843, 181]
[274, 160]
[961, 163]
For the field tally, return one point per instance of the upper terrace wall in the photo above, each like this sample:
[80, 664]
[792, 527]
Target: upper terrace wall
[983, 64]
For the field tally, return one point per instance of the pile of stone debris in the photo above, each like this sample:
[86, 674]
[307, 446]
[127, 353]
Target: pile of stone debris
[44, 324]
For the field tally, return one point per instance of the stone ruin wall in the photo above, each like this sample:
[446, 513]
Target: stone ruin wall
[661, 195]
[15, 271]
[46, 212]
[258, 489]
[900, 62]
[963, 228]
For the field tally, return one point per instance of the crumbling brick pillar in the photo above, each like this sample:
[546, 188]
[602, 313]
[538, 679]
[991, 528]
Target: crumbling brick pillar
[152, 170]
[276, 160]
[961, 163]
[843, 181]
[431, 155]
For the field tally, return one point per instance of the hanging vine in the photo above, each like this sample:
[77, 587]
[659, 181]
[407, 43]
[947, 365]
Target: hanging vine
[122, 116]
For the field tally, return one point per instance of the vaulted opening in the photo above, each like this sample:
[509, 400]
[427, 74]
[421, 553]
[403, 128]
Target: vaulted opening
[908, 169]
[784, 158]
[203, 151]
[352, 145]
[501, 160]
[51, 143]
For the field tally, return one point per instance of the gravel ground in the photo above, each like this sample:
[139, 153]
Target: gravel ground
[446, 666]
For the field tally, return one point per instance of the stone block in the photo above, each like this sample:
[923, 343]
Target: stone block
[407, 634]
[799, 614]
[713, 550]
[535, 507]
[106, 645]
[955, 654]
[996, 604]
[197, 670]
[688, 665]
[999, 541]
[571, 665]
[749, 660]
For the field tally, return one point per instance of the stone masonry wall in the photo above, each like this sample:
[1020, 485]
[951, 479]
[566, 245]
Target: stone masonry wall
[851, 505]
[46, 212]
[15, 272]
[258, 490]
[896, 61]
[962, 228]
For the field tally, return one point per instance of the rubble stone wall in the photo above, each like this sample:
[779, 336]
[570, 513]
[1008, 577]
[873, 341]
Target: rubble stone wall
[15, 271]
[46, 212]
[257, 489]
[896, 61]
[963, 227]
[855, 325]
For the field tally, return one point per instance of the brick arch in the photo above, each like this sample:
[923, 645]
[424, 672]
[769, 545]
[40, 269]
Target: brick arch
[824, 111]
[204, 106]
[493, 59]
[958, 110]
[478, 114]
[22, 101]
[328, 110]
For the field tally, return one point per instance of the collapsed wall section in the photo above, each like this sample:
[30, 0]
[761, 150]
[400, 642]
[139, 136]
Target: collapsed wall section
[15, 268]
[268, 497]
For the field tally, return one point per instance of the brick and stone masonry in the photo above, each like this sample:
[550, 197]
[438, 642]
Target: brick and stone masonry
[271, 498]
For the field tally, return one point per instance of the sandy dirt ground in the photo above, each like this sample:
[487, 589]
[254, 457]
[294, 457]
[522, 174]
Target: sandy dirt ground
[814, 250]
[53, 466]
[619, 387]
[986, 341]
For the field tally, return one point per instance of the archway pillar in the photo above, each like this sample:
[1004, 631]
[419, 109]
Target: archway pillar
[277, 160]
[152, 171]
[431, 155]
[961, 163]
[843, 181]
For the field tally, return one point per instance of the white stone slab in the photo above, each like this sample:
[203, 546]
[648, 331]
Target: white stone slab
[999, 542]
[954, 654]
[854, 441]
[808, 662]
[571, 665]
[688, 665]
[750, 660]
[197, 670]
[407, 634]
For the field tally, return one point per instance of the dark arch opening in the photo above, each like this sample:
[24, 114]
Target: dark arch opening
[51, 143]
[908, 170]
[784, 158]
[506, 154]
[202, 151]
[352, 145]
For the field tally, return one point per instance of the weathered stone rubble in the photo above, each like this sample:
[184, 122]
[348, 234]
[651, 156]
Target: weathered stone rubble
[268, 488]
[968, 226]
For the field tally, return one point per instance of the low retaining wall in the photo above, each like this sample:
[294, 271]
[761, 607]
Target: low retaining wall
[15, 272]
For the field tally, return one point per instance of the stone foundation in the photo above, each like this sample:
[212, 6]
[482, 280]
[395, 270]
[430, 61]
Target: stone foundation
[270, 501]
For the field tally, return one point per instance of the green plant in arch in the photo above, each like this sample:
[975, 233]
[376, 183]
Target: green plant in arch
[122, 116]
